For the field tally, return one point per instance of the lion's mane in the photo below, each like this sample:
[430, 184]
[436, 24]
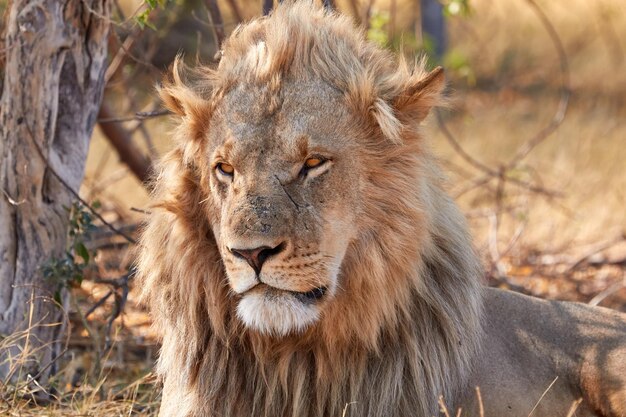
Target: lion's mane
[407, 320]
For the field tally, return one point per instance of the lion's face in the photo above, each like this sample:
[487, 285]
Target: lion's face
[285, 185]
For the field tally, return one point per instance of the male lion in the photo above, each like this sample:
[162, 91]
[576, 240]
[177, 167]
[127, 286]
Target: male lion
[303, 259]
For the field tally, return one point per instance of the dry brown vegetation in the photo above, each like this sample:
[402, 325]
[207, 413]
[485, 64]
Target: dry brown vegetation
[561, 235]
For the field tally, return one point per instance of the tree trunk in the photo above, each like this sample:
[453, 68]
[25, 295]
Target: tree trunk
[434, 27]
[53, 83]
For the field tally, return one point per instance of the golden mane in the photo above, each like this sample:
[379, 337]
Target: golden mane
[408, 319]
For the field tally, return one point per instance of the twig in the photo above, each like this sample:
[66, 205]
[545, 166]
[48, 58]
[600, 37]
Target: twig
[493, 246]
[481, 407]
[140, 115]
[585, 257]
[11, 200]
[143, 61]
[93, 335]
[442, 407]
[119, 56]
[99, 15]
[615, 287]
[98, 303]
[74, 193]
[459, 149]
[121, 140]
[574, 407]
[559, 115]
[543, 395]
[138, 210]
[120, 302]
[216, 20]
[513, 240]
[120, 282]
[345, 408]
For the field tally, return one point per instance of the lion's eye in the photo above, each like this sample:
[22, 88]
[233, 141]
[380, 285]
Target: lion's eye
[313, 162]
[226, 169]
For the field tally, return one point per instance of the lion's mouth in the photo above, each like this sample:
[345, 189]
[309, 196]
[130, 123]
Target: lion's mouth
[305, 297]
[310, 296]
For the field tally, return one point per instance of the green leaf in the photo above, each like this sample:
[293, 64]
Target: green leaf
[82, 251]
[377, 31]
[77, 279]
[142, 20]
[57, 296]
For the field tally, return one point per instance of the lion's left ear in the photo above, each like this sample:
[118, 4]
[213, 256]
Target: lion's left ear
[414, 104]
[411, 106]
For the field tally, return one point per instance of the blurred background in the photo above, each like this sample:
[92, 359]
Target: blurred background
[533, 145]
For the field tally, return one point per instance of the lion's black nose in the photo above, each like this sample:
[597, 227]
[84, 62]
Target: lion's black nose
[256, 257]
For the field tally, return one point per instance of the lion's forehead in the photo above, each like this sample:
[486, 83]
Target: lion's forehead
[249, 116]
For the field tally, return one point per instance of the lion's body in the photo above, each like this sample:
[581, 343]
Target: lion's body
[570, 351]
[368, 295]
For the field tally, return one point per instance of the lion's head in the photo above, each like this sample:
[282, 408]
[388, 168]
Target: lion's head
[288, 150]
[301, 207]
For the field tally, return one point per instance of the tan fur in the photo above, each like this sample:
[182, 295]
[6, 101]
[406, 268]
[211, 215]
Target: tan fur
[401, 323]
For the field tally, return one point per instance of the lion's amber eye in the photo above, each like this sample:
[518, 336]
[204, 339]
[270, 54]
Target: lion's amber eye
[313, 162]
[226, 169]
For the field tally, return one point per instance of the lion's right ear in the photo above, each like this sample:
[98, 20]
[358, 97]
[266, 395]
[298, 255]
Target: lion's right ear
[180, 98]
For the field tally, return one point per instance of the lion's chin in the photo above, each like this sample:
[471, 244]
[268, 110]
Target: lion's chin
[276, 313]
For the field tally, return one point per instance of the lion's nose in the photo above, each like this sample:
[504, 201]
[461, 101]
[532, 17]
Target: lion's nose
[256, 257]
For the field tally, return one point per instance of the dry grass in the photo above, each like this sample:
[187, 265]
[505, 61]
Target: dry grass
[118, 384]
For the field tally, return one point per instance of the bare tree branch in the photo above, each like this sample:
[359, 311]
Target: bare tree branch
[140, 115]
[216, 20]
[121, 140]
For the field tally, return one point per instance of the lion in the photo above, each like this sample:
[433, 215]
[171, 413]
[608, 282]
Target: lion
[303, 258]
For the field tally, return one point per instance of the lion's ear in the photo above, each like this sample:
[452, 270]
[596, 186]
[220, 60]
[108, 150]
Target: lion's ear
[178, 97]
[414, 104]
